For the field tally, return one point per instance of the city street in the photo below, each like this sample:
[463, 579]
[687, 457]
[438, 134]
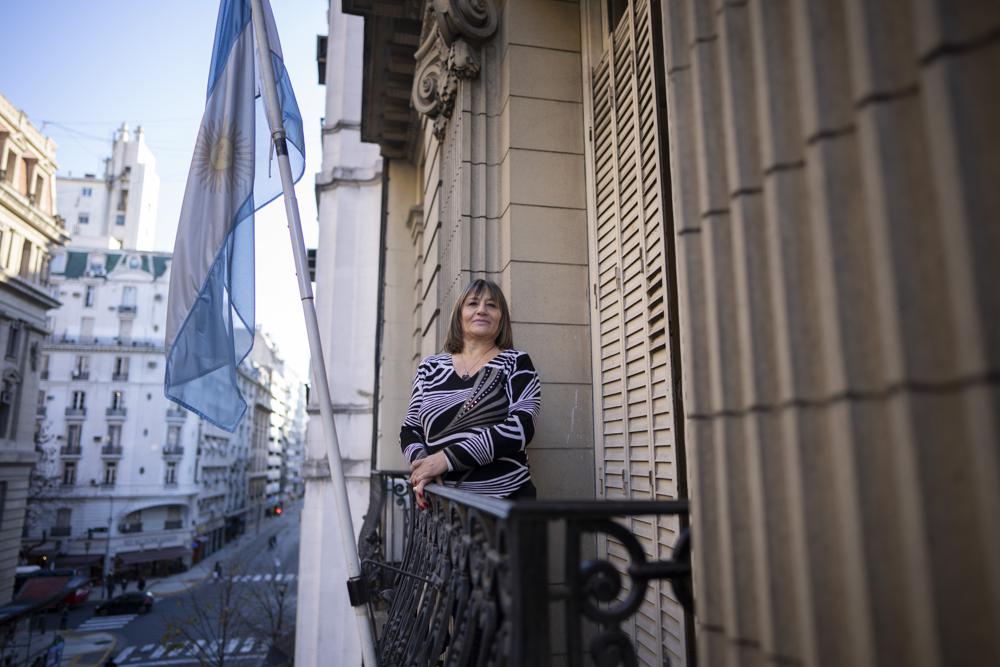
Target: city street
[257, 581]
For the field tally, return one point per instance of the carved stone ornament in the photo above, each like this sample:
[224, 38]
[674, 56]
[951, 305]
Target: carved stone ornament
[452, 29]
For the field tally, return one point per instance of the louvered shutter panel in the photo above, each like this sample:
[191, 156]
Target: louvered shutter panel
[635, 399]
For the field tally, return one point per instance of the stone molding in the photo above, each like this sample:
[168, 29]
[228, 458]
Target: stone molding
[318, 470]
[452, 33]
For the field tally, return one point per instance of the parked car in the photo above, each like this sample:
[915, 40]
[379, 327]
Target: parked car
[127, 603]
[55, 588]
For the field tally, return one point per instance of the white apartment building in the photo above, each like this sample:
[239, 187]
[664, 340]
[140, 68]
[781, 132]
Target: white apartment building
[120, 456]
[29, 227]
[285, 418]
[129, 479]
[223, 470]
[118, 208]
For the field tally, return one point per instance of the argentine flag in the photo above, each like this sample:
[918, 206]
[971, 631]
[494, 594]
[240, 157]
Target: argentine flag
[210, 312]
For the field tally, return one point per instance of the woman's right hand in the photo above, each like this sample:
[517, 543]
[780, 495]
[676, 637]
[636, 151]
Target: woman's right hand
[426, 470]
[418, 489]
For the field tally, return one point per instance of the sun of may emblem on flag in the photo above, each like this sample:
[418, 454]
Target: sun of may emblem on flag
[222, 158]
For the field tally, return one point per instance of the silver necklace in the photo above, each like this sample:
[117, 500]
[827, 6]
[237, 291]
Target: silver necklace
[468, 369]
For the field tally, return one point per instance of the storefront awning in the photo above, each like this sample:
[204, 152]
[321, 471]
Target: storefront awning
[78, 560]
[152, 555]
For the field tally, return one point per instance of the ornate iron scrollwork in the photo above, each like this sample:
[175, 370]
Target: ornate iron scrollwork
[473, 587]
[597, 584]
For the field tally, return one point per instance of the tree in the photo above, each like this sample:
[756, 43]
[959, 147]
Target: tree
[211, 622]
[269, 611]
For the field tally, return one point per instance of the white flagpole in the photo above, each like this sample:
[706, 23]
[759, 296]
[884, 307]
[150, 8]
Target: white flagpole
[312, 328]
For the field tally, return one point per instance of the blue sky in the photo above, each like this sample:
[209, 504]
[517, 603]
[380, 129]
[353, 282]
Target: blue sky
[79, 68]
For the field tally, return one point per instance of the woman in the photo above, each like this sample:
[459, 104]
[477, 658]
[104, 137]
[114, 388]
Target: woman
[473, 408]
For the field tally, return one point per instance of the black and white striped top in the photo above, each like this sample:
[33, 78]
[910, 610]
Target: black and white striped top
[483, 424]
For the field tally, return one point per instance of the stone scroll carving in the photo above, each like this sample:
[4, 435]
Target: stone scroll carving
[452, 31]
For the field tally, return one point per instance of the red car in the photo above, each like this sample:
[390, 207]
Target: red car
[58, 587]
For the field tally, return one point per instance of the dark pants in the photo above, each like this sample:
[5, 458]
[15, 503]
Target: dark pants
[527, 491]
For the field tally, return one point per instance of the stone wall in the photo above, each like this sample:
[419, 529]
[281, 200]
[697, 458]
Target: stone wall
[836, 218]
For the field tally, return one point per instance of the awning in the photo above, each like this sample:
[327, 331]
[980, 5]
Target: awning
[151, 555]
[78, 560]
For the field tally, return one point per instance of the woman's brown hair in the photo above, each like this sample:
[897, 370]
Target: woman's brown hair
[455, 342]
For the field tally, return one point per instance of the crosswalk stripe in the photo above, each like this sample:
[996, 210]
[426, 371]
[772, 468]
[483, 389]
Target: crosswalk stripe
[180, 650]
[256, 578]
[104, 622]
[238, 648]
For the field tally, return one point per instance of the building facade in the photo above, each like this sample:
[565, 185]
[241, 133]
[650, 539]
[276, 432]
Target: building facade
[118, 483]
[284, 399]
[29, 230]
[348, 191]
[118, 208]
[749, 248]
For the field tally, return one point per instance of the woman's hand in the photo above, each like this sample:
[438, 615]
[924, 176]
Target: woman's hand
[426, 470]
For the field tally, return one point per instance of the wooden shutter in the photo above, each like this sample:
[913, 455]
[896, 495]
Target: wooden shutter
[635, 399]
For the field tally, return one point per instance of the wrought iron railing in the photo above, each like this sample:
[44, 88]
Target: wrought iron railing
[466, 581]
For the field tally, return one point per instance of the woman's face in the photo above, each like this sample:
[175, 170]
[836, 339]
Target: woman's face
[480, 316]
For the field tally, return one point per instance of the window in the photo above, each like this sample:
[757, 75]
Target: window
[74, 433]
[45, 367]
[110, 473]
[83, 218]
[114, 435]
[117, 400]
[79, 400]
[128, 295]
[7, 398]
[125, 329]
[41, 401]
[81, 367]
[69, 473]
[25, 270]
[171, 474]
[173, 436]
[63, 517]
[121, 368]
[87, 327]
[88, 296]
[13, 339]
[86, 192]
[120, 220]
[123, 201]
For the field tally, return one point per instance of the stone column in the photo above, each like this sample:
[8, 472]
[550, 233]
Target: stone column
[349, 193]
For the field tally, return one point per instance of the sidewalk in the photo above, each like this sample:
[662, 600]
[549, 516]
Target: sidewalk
[81, 649]
[184, 581]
